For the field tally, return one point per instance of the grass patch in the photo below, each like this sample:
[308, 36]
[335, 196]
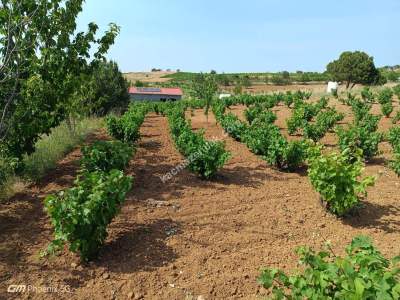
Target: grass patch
[49, 150]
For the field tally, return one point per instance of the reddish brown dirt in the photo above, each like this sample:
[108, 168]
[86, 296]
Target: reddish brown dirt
[188, 237]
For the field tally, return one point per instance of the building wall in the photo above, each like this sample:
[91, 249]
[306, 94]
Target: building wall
[145, 97]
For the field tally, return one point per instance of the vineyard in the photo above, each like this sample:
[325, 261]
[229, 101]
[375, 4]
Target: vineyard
[168, 202]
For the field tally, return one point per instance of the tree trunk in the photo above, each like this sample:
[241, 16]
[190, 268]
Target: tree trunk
[353, 85]
[347, 85]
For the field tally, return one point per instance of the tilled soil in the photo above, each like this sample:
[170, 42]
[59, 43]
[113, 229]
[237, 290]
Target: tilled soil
[186, 238]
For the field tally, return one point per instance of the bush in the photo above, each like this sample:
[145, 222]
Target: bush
[360, 109]
[258, 112]
[204, 157]
[363, 273]
[394, 138]
[127, 127]
[324, 122]
[385, 96]
[357, 137]
[367, 95]
[266, 140]
[335, 177]
[396, 91]
[233, 126]
[106, 156]
[81, 214]
[387, 109]
[251, 113]
[303, 113]
[395, 163]
[369, 122]
[396, 118]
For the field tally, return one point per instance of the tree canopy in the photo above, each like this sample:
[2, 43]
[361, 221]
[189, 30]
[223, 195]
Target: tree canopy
[44, 67]
[355, 67]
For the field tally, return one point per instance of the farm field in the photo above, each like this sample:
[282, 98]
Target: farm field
[187, 237]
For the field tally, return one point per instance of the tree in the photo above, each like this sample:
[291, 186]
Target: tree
[44, 67]
[109, 89]
[355, 67]
[204, 86]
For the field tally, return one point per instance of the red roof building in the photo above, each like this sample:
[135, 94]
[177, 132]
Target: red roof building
[155, 94]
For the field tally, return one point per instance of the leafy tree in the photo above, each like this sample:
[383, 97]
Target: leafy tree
[44, 66]
[110, 89]
[355, 67]
[205, 87]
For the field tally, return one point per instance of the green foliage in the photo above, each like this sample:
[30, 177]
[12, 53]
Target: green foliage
[385, 96]
[362, 274]
[258, 112]
[127, 127]
[265, 139]
[324, 121]
[303, 113]
[396, 91]
[396, 117]
[204, 157]
[53, 147]
[204, 86]
[387, 109]
[7, 168]
[358, 137]
[394, 138]
[355, 67]
[109, 89]
[105, 156]
[81, 214]
[395, 163]
[233, 126]
[367, 95]
[252, 112]
[46, 68]
[335, 177]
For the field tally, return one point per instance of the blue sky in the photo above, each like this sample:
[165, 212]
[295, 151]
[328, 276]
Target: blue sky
[246, 36]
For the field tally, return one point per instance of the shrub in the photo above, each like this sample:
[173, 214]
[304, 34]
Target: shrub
[296, 121]
[127, 127]
[266, 116]
[286, 155]
[233, 126]
[394, 138]
[335, 178]
[387, 109]
[385, 95]
[303, 113]
[252, 112]
[360, 109]
[81, 214]
[266, 140]
[258, 112]
[106, 156]
[396, 91]
[204, 157]
[395, 163]
[367, 95]
[396, 118]
[363, 273]
[369, 122]
[325, 121]
[357, 137]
